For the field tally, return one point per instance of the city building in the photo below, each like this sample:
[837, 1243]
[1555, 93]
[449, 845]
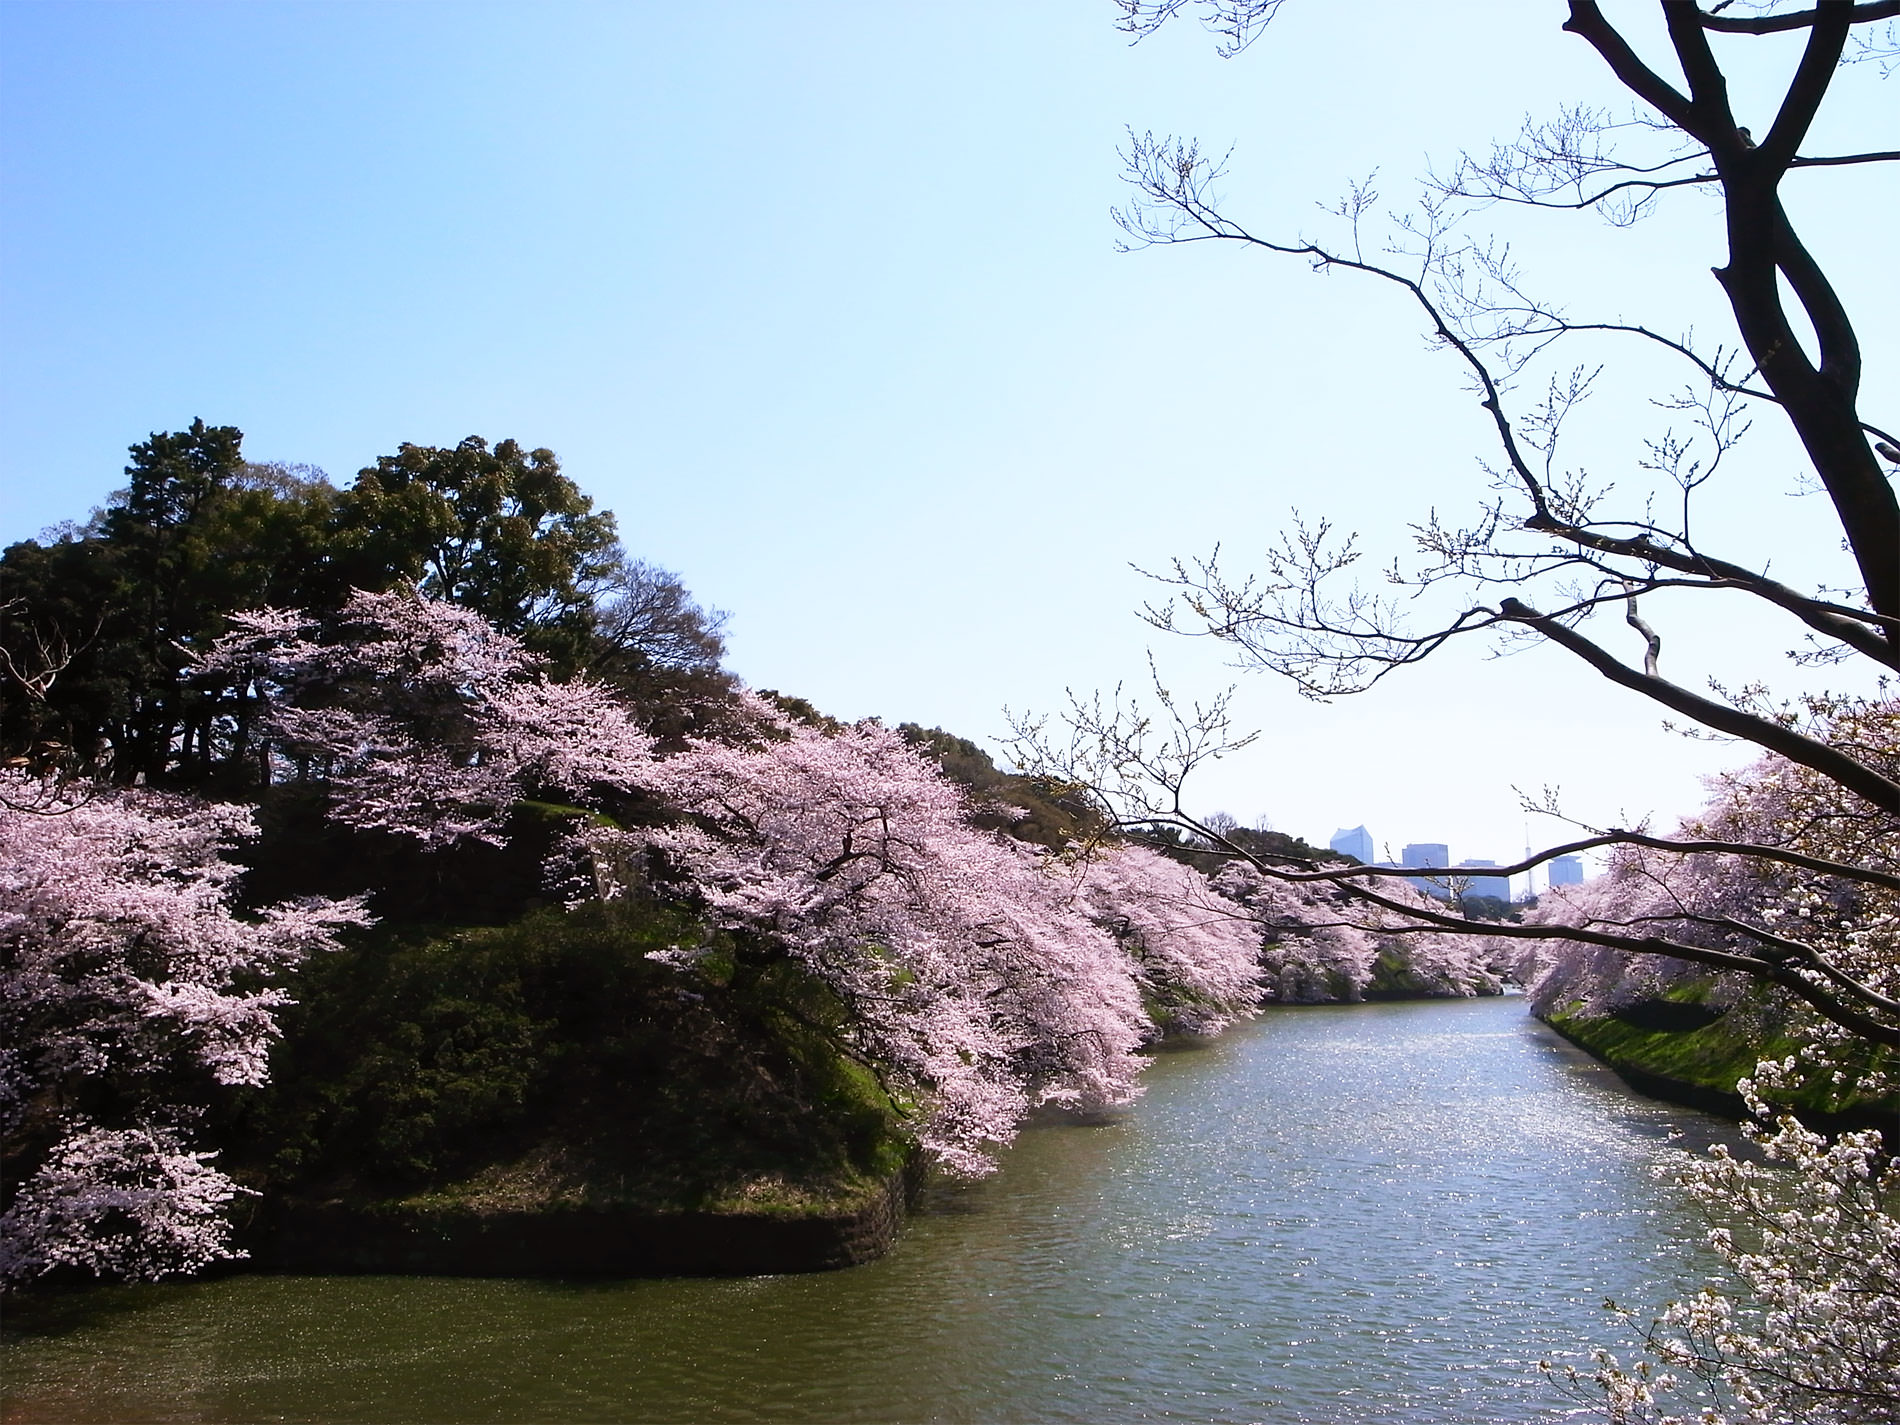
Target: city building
[1427, 853]
[1566, 871]
[1498, 886]
[1355, 842]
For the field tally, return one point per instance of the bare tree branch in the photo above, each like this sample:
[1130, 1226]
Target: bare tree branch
[1862, 14]
[1535, 571]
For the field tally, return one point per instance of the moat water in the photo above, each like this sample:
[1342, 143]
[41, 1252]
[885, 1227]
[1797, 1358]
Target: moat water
[1361, 1213]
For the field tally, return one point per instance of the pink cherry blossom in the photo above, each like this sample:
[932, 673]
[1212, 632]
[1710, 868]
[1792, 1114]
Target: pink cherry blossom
[1733, 899]
[421, 718]
[1807, 1326]
[1190, 945]
[1323, 943]
[122, 960]
[973, 978]
[127, 1202]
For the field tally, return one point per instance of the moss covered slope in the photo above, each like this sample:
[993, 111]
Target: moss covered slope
[551, 1066]
[1692, 1045]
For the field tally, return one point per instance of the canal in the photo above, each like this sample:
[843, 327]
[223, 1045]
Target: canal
[1355, 1213]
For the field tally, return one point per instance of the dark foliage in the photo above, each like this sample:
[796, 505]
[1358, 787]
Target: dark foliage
[554, 1050]
[1196, 851]
[1028, 808]
[99, 623]
[501, 531]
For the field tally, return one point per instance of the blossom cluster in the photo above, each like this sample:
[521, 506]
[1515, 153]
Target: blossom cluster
[1195, 954]
[1808, 1326]
[1832, 919]
[983, 978]
[1325, 944]
[125, 972]
[979, 976]
[421, 718]
[1809, 1329]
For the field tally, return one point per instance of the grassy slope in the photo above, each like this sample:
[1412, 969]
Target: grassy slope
[1674, 1047]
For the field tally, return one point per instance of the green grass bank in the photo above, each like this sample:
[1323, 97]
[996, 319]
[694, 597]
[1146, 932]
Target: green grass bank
[1682, 1047]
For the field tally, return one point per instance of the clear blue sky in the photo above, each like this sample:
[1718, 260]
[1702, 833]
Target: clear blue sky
[823, 302]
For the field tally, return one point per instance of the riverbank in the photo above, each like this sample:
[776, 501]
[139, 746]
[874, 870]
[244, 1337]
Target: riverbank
[1328, 1215]
[553, 1097]
[1684, 1051]
[548, 1099]
[578, 1240]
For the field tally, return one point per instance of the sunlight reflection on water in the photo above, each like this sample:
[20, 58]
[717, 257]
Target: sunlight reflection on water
[1380, 1212]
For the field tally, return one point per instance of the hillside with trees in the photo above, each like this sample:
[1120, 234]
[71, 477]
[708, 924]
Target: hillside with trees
[402, 859]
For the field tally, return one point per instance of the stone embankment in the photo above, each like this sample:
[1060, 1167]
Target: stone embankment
[574, 1241]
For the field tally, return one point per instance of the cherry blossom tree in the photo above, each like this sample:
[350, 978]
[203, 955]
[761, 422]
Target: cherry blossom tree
[1133, 763]
[1809, 1325]
[1196, 954]
[420, 717]
[972, 979]
[129, 988]
[118, 1202]
[1323, 942]
[1813, 1333]
[1782, 863]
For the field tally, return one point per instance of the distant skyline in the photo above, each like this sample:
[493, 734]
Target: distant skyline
[1358, 841]
[824, 303]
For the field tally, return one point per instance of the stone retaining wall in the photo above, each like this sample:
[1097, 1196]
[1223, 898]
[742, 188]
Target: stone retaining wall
[570, 1242]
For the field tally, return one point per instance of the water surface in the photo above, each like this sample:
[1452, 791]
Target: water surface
[1361, 1213]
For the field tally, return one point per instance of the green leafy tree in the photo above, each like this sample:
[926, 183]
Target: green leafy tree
[59, 697]
[101, 620]
[500, 531]
[1031, 809]
[154, 529]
